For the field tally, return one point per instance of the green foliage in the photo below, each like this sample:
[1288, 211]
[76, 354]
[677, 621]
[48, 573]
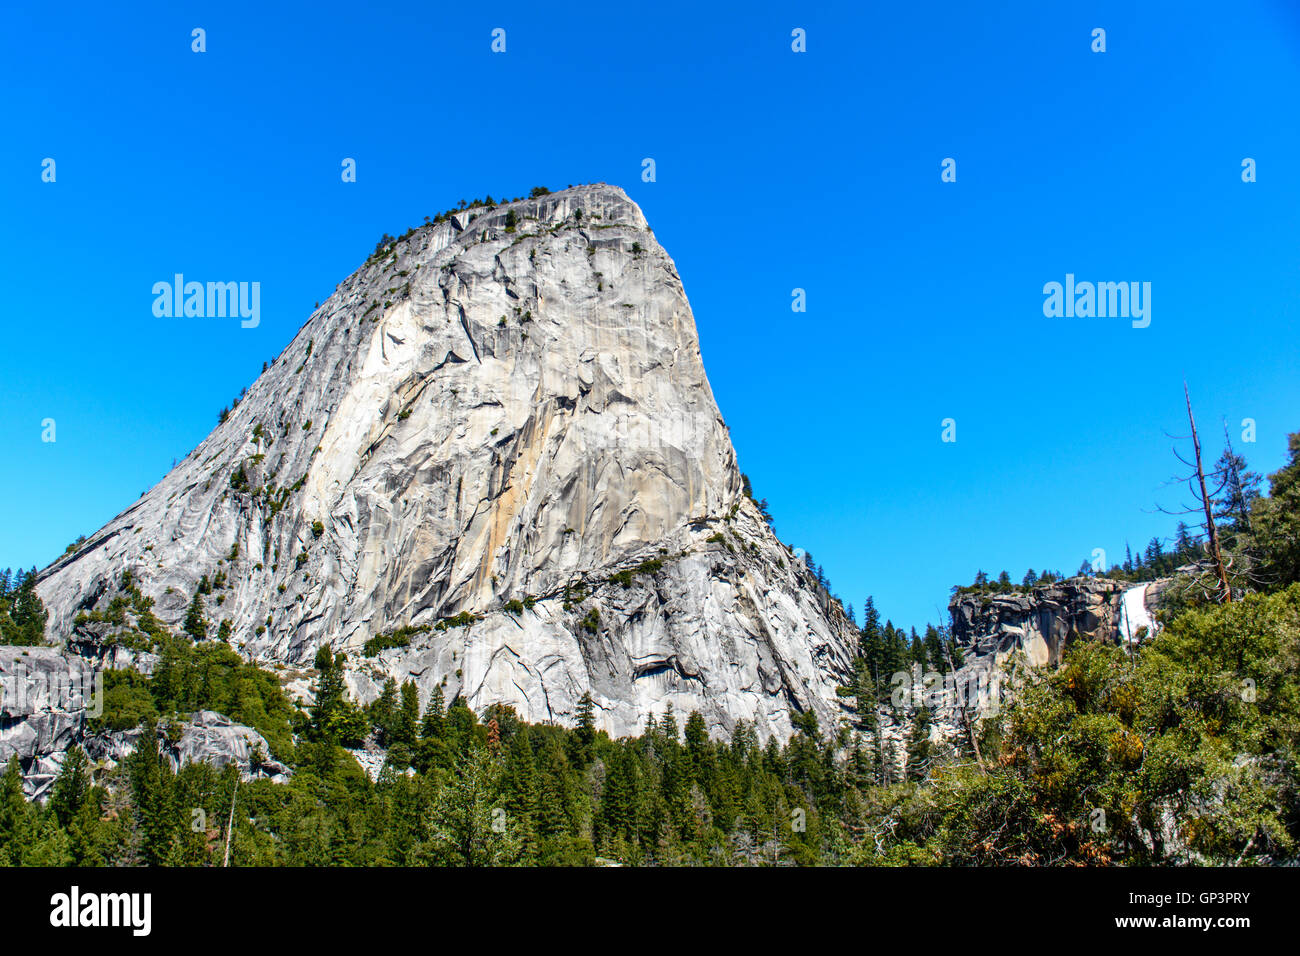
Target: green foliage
[196, 626]
[463, 619]
[1275, 522]
[22, 615]
[627, 576]
[401, 637]
[192, 677]
[1186, 752]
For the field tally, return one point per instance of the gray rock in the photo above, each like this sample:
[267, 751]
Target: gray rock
[1040, 621]
[207, 737]
[43, 698]
[486, 413]
[46, 696]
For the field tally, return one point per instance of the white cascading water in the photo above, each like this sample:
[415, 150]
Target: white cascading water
[1133, 615]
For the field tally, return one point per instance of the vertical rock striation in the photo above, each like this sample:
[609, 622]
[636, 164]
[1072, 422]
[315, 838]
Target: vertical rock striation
[497, 439]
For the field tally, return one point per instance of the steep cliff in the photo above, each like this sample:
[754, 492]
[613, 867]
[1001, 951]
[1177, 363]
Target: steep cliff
[1042, 620]
[497, 439]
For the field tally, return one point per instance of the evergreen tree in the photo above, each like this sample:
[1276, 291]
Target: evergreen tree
[408, 715]
[22, 615]
[1275, 521]
[918, 744]
[334, 718]
[431, 750]
[462, 829]
[71, 788]
[619, 799]
[15, 815]
[383, 712]
[934, 650]
[156, 814]
[195, 624]
[1240, 488]
[916, 653]
[586, 721]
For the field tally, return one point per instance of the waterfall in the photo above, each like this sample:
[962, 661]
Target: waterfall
[1133, 614]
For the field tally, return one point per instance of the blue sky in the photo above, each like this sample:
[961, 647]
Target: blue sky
[775, 170]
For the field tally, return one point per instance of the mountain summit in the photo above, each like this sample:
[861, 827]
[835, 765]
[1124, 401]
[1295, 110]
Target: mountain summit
[491, 461]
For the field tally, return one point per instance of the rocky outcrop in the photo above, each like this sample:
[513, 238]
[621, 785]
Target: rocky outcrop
[206, 737]
[501, 422]
[1041, 621]
[43, 699]
[46, 697]
[212, 738]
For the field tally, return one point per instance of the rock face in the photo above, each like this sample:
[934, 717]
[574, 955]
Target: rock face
[493, 409]
[43, 700]
[46, 696]
[207, 737]
[1043, 619]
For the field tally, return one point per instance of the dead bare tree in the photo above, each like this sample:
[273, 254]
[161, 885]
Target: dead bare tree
[961, 705]
[230, 824]
[1206, 501]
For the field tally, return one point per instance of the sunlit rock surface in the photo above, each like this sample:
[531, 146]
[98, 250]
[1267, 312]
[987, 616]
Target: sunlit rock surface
[492, 410]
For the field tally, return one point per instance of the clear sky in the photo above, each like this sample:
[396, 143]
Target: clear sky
[775, 170]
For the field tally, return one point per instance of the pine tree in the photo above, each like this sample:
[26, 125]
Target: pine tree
[15, 815]
[618, 800]
[407, 717]
[195, 625]
[1276, 521]
[887, 767]
[520, 790]
[431, 750]
[462, 828]
[434, 715]
[1240, 487]
[71, 788]
[918, 745]
[156, 815]
[916, 653]
[383, 711]
[869, 644]
[330, 702]
[934, 650]
[22, 615]
[668, 726]
[586, 730]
